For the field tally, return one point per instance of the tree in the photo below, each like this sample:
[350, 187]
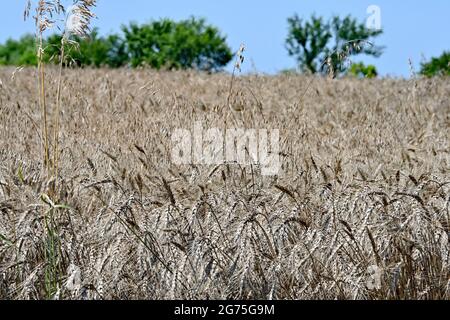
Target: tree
[20, 52]
[317, 43]
[307, 41]
[161, 44]
[177, 45]
[93, 51]
[361, 70]
[437, 66]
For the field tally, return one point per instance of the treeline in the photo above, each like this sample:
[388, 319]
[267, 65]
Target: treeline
[318, 46]
[167, 44]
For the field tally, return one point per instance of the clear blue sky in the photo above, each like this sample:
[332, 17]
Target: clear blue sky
[413, 29]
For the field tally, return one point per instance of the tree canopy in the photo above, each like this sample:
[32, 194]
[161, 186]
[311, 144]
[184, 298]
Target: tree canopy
[317, 42]
[177, 45]
[19, 52]
[160, 44]
[439, 66]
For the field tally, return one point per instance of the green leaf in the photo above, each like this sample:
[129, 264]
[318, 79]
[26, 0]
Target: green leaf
[20, 174]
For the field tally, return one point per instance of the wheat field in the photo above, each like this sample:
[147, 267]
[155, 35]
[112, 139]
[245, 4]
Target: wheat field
[360, 209]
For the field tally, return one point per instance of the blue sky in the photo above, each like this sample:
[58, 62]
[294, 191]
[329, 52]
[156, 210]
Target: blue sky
[413, 29]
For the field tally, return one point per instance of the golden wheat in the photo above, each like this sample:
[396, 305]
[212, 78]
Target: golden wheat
[364, 184]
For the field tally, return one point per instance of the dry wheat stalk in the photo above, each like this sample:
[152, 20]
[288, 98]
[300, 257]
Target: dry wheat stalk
[351, 196]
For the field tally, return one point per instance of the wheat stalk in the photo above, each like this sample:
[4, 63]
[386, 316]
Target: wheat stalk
[77, 23]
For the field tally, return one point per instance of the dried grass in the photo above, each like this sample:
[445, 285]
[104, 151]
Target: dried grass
[365, 183]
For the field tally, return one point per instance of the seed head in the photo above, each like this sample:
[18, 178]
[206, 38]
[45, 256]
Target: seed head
[78, 18]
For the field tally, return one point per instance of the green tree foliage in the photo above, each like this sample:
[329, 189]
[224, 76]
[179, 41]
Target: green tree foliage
[161, 44]
[20, 52]
[437, 66]
[308, 41]
[360, 70]
[315, 41]
[177, 45]
[93, 51]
